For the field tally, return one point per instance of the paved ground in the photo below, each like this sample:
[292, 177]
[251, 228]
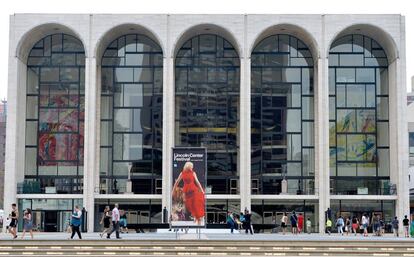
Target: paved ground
[211, 236]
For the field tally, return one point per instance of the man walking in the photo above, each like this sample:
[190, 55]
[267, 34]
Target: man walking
[406, 224]
[247, 222]
[115, 222]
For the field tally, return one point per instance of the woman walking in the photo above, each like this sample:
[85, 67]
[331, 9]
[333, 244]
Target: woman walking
[76, 222]
[355, 225]
[284, 221]
[27, 223]
[106, 221]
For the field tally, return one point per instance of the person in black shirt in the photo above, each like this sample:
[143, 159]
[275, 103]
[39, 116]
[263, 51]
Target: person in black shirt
[247, 222]
[406, 224]
[14, 218]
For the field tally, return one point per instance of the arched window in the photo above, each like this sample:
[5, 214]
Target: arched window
[55, 116]
[282, 117]
[358, 115]
[207, 79]
[131, 116]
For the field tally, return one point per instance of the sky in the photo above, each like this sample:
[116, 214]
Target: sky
[205, 7]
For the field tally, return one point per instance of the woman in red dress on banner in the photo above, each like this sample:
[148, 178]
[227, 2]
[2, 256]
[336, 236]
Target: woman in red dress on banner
[193, 193]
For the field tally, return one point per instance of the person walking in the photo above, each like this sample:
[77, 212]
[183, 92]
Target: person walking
[27, 223]
[308, 226]
[355, 225]
[247, 223]
[328, 226]
[406, 225]
[283, 222]
[14, 216]
[76, 222]
[364, 224]
[123, 221]
[395, 225]
[230, 221]
[294, 223]
[348, 226]
[300, 223]
[340, 225]
[106, 221]
[115, 222]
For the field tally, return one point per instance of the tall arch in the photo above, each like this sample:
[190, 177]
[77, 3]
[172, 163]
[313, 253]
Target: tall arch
[282, 116]
[55, 107]
[207, 102]
[358, 114]
[131, 89]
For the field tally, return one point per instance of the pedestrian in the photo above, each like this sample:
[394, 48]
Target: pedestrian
[230, 221]
[27, 223]
[395, 225]
[328, 226]
[412, 227]
[115, 222]
[76, 222]
[406, 225]
[300, 223]
[106, 221]
[237, 222]
[242, 220]
[308, 226]
[355, 225]
[376, 225]
[247, 223]
[364, 224]
[283, 222]
[294, 223]
[14, 216]
[348, 226]
[340, 225]
[123, 221]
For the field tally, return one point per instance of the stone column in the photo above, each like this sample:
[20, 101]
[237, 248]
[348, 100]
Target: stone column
[168, 129]
[244, 136]
[398, 136]
[90, 149]
[322, 187]
[15, 131]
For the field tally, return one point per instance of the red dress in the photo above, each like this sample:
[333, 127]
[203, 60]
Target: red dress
[300, 222]
[194, 199]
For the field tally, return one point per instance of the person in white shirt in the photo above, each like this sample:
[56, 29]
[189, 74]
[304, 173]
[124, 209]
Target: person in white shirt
[115, 222]
[364, 223]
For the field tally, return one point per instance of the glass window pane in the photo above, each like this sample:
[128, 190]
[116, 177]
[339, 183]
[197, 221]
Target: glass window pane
[293, 120]
[355, 95]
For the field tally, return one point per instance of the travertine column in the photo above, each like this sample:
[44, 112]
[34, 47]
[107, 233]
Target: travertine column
[322, 186]
[398, 136]
[90, 149]
[15, 131]
[244, 136]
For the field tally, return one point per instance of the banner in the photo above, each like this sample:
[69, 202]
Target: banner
[188, 203]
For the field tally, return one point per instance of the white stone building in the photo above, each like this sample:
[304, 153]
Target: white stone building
[97, 100]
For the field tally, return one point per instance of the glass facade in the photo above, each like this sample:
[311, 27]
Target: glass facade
[358, 117]
[131, 116]
[282, 116]
[207, 81]
[54, 116]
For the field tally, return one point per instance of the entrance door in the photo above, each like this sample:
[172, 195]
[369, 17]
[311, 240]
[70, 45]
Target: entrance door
[51, 220]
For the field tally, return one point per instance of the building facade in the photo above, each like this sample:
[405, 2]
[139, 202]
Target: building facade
[297, 112]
